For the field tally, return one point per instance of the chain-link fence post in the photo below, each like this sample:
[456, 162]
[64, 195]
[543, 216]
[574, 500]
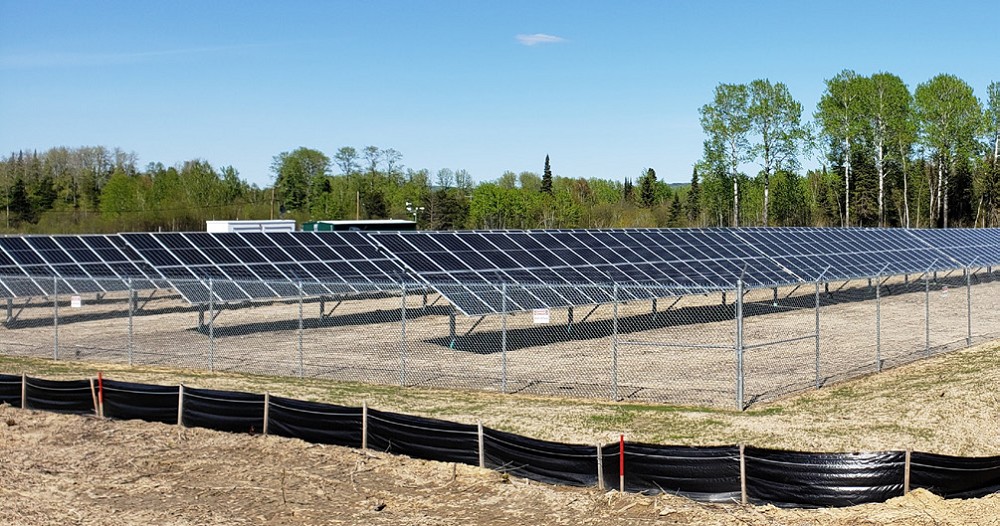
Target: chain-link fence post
[302, 366]
[878, 324]
[211, 325]
[55, 318]
[503, 338]
[817, 336]
[927, 311]
[739, 344]
[614, 343]
[131, 322]
[968, 306]
[402, 345]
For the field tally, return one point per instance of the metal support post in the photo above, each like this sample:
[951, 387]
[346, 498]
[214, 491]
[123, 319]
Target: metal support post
[614, 344]
[211, 325]
[423, 304]
[654, 308]
[774, 300]
[451, 327]
[302, 366]
[402, 348]
[817, 336]
[55, 318]
[927, 313]
[739, 345]
[968, 306]
[503, 338]
[878, 324]
[131, 322]
[10, 310]
[569, 322]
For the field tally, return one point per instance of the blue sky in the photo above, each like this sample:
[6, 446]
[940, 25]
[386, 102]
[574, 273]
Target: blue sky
[605, 88]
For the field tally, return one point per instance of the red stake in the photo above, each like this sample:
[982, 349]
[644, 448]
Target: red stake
[621, 463]
[100, 392]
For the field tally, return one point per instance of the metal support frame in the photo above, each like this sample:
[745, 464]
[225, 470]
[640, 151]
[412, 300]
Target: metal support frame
[474, 325]
[10, 311]
[322, 308]
[569, 319]
[654, 308]
[451, 328]
[593, 310]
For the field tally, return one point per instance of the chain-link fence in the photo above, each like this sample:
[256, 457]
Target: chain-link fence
[725, 348]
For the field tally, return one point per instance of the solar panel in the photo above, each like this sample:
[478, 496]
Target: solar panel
[844, 253]
[562, 268]
[230, 266]
[33, 265]
[969, 247]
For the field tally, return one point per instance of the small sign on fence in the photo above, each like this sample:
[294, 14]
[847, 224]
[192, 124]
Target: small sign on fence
[540, 315]
[75, 302]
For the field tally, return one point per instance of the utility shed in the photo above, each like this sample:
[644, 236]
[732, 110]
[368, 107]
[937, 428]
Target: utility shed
[251, 225]
[360, 225]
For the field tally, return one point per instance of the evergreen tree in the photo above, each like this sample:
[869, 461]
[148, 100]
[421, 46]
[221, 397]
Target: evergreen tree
[628, 191]
[694, 199]
[547, 177]
[676, 212]
[647, 189]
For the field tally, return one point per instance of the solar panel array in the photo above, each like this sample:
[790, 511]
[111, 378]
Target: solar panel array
[480, 272]
[230, 267]
[537, 269]
[40, 265]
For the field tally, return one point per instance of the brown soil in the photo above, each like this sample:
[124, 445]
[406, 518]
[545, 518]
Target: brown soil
[59, 469]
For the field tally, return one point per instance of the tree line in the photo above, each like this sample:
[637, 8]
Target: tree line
[888, 156]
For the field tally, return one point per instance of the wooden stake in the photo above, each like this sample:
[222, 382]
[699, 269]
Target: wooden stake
[100, 394]
[364, 425]
[482, 449]
[93, 396]
[24, 391]
[267, 411]
[743, 476]
[906, 473]
[621, 463]
[180, 405]
[600, 467]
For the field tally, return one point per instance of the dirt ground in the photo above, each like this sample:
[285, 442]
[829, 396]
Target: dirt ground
[62, 469]
[683, 353]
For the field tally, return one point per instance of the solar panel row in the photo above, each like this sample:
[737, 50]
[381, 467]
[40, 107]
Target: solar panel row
[480, 272]
[230, 267]
[38, 265]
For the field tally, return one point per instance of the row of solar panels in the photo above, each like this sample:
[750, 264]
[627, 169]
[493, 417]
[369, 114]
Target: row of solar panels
[480, 272]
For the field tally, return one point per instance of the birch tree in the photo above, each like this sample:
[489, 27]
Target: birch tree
[889, 106]
[993, 117]
[775, 119]
[950, 117]
[840, 115]
[726, 122]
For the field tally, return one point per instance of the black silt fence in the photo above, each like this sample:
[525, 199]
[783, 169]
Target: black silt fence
[315, 422]
[426, 438]
[223, 410]
[955, 477]
[792, 479]
[131, 401]
[707, 474]
[549, 462]
[710, 474]
[10, 390]
[60, 396]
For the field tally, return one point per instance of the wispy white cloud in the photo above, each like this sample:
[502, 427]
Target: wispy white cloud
[539, 38]
[48, 60]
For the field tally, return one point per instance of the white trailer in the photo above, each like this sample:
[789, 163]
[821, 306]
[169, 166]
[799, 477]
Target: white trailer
[262, 225]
